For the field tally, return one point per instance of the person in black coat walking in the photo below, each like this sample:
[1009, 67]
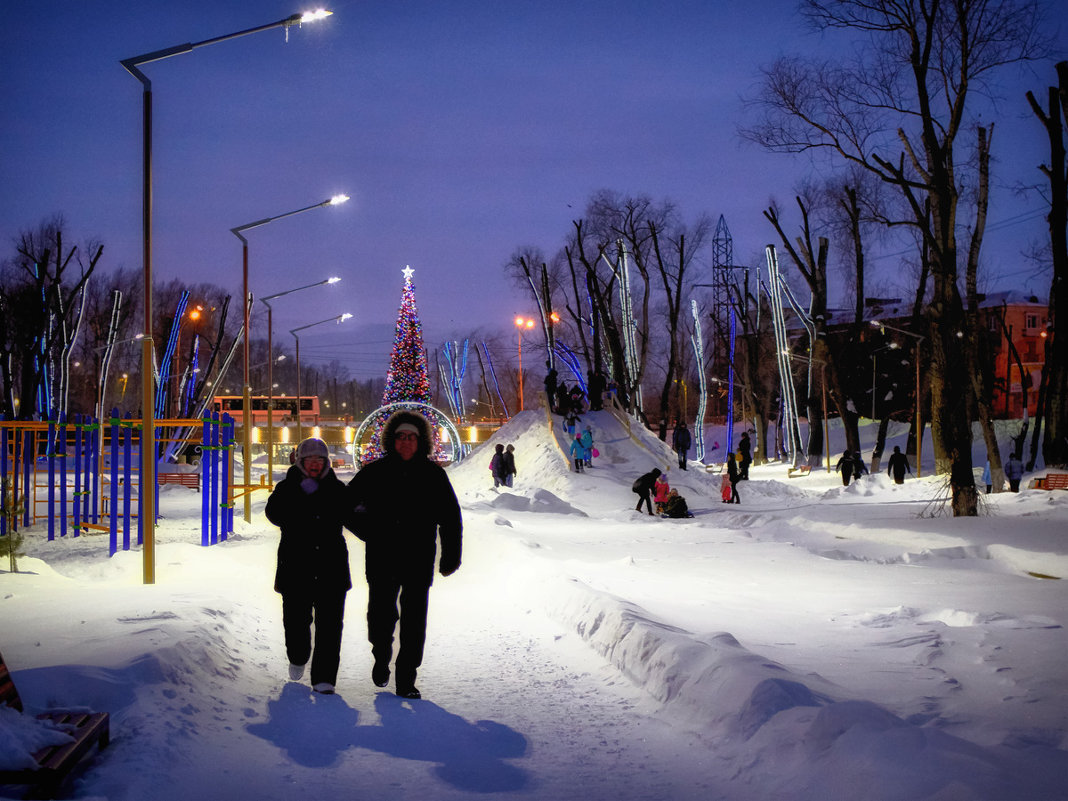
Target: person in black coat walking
[745, 450]
[680, 441]
[404, 503]
[897, 465]
[845, 467]
[643, 485]
[310, 507]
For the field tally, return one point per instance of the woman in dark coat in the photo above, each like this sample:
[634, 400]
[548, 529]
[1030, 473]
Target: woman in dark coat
[310, 507]
[404, 503]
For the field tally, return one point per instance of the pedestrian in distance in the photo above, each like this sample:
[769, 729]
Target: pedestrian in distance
[587, 443]
[508, 465]
[404, 504]
[563, 399]
[571, 422]
[597, 387]
[550, 386]
[310, 506]
[986, 477]
[745, 450]
[734, 475]
[898, 465]
[643, 485]
[495, 465]
[661, 491]
[859, 468]
[680, 441]
[1014, 471]
[578, 453]
[845, 467]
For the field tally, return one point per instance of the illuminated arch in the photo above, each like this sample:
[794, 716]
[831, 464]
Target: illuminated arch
[456, 450]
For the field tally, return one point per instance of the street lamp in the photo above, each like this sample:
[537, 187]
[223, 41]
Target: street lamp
[270, 374]
[919, 420]
[148, 423]
[246, 413]
[338, 319]
[520, 324]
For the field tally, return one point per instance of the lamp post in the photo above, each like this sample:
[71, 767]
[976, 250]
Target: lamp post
[919, 420]
[520, 324]
[270, 372]
[148, 423]
[338, 319]
[246, 395]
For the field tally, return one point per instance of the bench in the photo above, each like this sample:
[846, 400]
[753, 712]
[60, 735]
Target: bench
[191, 480]
[1052, 481]
[54, 762]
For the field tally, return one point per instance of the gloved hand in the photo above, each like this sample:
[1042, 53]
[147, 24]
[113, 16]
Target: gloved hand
[448, 568]
[309, 485]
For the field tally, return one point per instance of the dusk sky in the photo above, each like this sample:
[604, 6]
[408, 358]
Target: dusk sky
[461, 130]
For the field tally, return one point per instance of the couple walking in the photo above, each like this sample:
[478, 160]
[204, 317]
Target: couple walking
[399, 506]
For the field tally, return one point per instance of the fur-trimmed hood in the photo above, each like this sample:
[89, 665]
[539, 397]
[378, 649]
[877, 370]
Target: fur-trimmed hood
[389, 432]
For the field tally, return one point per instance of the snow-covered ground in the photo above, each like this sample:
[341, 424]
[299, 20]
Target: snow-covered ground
[813, 642]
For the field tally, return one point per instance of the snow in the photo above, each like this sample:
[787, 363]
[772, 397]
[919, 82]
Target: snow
[814, 642]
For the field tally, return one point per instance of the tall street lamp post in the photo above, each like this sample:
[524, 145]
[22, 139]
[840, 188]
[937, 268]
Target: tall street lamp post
[270, 372]
[919, 419]
[148, 422]
[522, 323]
[246, 395]
[338, 319]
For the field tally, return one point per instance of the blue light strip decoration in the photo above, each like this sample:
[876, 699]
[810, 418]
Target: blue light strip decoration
[572, 362]
[493, 375]
[168, 355]
[730, 382]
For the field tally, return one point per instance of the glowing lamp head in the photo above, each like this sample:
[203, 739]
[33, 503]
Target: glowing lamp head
[314, 16]
[337, 200]
[343, 318]
[333, 279]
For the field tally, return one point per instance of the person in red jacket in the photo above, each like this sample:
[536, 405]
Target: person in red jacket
[404, 503]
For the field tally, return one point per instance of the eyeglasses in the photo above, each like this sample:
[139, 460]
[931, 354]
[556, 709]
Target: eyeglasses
[407, 436]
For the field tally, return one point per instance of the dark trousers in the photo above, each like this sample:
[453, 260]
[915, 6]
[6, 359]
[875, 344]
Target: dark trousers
[644, 496]
[327, 612]
[682, 459]
[382, 617]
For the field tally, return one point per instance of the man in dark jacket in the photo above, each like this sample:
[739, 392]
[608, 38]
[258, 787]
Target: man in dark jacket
[643, 485]
[745, 450]
[680, 441]
[898, 465]
[845, 467]
[310, 506]
[403, 503]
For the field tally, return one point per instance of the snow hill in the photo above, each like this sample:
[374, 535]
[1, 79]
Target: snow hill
[814, 642]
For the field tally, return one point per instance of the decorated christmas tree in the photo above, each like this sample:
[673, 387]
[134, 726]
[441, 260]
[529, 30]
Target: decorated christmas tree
[407, 380]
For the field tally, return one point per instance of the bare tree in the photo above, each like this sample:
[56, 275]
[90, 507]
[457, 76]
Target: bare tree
[1054, 388]
[897, 111]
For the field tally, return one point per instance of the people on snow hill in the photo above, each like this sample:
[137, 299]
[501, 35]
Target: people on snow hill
[643, 485]
[311, 505]
[404, 503]
[680, 441]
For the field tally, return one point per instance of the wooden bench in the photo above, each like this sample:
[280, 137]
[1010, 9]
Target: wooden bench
[54, 762]
[1052, 481]
[191, 480]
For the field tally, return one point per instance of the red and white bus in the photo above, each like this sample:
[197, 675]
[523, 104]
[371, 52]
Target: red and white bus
[284, 408]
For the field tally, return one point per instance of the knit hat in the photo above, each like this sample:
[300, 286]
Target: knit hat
[312, 446]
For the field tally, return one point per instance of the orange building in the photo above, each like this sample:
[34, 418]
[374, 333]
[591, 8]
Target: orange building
[1026, 319]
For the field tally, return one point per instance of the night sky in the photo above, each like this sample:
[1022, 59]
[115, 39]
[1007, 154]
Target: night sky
[461, 130]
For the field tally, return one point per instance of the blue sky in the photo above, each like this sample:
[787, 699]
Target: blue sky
[461, 130]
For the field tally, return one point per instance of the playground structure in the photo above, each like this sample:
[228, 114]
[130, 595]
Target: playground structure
[85, 476]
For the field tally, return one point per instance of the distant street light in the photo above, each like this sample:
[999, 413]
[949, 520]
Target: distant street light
[148, 423]
[246, 411]
[522, 323]
[338, 319]
[270, 374]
